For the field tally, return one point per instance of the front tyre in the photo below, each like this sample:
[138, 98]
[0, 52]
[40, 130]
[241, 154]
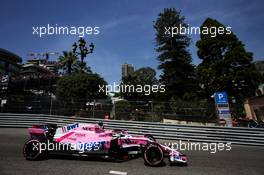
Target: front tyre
[32, 150]
[153, 155]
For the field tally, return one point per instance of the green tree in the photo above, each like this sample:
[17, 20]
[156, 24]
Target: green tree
[145, 76]
[226, 65]
[175, 60]
[123, 110]
[69, 62]
[81, 86]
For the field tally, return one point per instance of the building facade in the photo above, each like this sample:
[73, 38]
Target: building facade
[260, 66]
[254, 106]
[10, 63]
[127, 69]
[43, 63]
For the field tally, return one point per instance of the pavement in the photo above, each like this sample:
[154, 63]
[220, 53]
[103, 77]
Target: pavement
[239, 160]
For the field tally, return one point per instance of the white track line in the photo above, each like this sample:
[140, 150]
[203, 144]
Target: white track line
[117, 172]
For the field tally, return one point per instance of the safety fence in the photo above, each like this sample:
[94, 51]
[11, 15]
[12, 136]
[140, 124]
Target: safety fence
[192, 133]
[116, 108]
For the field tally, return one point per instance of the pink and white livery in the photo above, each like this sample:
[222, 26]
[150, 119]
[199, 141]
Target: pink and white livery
[82, 139]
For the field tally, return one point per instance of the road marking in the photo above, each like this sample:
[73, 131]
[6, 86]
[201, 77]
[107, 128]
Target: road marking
[117, 172]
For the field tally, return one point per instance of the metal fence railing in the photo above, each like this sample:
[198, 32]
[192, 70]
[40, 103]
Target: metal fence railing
[153, 111]
[241, 136]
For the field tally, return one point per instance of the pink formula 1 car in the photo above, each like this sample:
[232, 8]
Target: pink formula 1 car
[81, 139]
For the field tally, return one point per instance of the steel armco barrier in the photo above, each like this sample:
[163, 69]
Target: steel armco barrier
[235, 135]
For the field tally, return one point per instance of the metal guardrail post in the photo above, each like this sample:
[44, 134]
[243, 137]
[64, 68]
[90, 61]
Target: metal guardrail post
[50, 111]
[93, 107]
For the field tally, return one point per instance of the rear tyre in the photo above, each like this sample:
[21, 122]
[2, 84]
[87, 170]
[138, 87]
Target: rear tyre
[153, 155]
[31, 150]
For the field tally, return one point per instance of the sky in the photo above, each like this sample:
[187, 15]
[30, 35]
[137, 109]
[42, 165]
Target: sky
[126, 28]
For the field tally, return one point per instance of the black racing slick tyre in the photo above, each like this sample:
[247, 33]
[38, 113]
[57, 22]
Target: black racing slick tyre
[153, 154]
[31, 150]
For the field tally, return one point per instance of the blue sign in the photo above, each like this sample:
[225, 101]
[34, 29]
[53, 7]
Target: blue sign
[221, 98]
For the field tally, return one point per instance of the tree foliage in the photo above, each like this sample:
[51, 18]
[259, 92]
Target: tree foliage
[174, 57]
[123, 110]
[70, 63]
[142, 77]
[226, 65]
[80, 85]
